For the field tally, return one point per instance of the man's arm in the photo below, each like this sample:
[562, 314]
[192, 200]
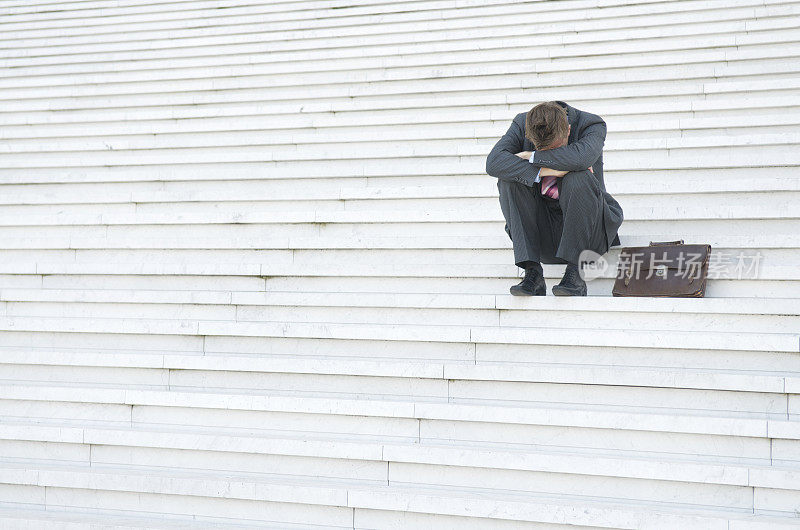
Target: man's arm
[578, 155]
[503, 162]
[547, 172]
[543, 171]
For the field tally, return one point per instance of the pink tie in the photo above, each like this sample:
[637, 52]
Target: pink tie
[549, 187]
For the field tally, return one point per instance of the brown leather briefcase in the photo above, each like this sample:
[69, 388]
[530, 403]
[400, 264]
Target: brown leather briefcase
[664, 268]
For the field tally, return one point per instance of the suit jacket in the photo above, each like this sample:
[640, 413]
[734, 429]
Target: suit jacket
[584, 148]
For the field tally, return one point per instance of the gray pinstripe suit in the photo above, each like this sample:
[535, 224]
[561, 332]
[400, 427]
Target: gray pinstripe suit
[585, 215]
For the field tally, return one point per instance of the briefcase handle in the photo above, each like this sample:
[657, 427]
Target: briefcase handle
[678, 242]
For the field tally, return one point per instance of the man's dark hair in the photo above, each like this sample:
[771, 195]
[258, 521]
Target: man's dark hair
[545, 124]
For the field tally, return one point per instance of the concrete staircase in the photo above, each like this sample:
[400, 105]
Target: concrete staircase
[255, 276]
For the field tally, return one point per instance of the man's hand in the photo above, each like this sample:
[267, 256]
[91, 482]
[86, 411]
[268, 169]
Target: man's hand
[525, 154]
[547, 172]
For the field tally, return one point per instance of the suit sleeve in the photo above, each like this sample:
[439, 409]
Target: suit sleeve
[580, 154]
[503, 162]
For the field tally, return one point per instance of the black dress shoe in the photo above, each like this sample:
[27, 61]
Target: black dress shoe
[571, 284]
[531, 285]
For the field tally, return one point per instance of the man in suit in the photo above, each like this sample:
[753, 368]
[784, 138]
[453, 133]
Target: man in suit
[549, 170]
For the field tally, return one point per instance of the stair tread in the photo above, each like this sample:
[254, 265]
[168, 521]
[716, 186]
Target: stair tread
[347, 493]
[588, 374]
[588, 461]
[572, 415]
[67, 519]
[420, 300]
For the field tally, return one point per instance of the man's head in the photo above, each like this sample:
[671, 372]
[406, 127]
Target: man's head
[546, 126]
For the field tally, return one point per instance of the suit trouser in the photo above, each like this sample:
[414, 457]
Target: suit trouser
[554, 231]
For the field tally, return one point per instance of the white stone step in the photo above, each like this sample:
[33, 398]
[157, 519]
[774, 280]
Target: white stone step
[60, 518]
[144, 493]
[154, 443]
[379, 308]
[328, 194]
[324, 14]
[364, 63]
[708, 216]
[569, 71]
[658, 226]
[411, 350]
[530, 372]
[386, 169]
[620, 101]
[710, 34]
[155, 446]
[395, 122]
[531, 8]
[322, 9]
[485, 334]
[389, 299]
[620, 388]
[656, 159]
[151, 404]
[625, 133]
[340, 501]
[409, 19]
[399, 87]
[774, 264]
[721, 439]
[281, 9]
[327, 444]
[724, 244]
[511, 92]
[639, 230]
[614, 151]
[786, 341]
[759, 288]
[775, 150]
[255, 202]
[728, 188]
[42, 6]
[478, 279]
[724, 46]
[689, 222]
[57, 517]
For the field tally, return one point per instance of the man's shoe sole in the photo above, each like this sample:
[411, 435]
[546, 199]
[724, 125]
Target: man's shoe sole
[521, 292]
[558, 290]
